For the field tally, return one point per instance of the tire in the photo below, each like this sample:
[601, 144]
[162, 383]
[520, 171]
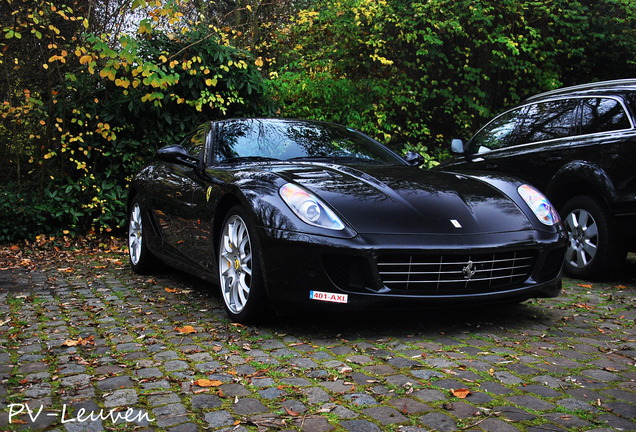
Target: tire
[240, 277]
[141, 259]
[593, 249]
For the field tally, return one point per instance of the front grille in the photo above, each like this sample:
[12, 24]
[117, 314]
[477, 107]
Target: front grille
[461, 273]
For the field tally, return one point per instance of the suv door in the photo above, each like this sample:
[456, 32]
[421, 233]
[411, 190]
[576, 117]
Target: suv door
[602, 166]
[531, 142]
[605, 140]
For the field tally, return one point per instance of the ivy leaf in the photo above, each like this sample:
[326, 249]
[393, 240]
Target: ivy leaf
[144, 27]
[85, 59]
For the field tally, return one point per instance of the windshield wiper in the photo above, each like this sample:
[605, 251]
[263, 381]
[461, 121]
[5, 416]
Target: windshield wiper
[251, 159]
[336, 158]
[313, 158]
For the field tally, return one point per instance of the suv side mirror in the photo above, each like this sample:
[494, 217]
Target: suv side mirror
[414, 158]
[177, 154]
[457, 146]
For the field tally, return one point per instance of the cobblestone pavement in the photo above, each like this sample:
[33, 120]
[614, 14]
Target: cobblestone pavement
[83, 342]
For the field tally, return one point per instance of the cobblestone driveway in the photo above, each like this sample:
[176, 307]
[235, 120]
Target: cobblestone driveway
[158, 354]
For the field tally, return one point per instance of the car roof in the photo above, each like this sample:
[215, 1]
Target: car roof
[613, 87]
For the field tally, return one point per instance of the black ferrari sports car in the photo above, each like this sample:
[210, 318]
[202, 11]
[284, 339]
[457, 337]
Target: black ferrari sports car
[282, 213]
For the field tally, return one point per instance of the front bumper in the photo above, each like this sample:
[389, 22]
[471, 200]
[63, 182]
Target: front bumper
[410, 270]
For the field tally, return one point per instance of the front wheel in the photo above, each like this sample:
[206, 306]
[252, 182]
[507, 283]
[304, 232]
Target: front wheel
[593, 247]
[141, 259]
[239, 269]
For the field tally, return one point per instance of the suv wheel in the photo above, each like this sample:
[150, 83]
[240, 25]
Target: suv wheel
[593, 247]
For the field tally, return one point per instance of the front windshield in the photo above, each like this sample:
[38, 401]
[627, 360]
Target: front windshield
[270, 139]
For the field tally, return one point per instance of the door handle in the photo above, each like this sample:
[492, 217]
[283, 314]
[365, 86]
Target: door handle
[554, 159]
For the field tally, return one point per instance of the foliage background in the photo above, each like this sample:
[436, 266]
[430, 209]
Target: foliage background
[91, 88]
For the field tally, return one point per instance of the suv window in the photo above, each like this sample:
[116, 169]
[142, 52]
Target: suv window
[603, 115]
[497, 134]
[547, 120]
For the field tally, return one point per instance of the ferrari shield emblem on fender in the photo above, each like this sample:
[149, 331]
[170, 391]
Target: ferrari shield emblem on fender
[208, 193]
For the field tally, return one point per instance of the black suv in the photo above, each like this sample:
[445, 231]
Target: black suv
[578, 145]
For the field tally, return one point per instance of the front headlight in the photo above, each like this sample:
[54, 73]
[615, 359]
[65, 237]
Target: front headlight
[309, 208]
[539, 204]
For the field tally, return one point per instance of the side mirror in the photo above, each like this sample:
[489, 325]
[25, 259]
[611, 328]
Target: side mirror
[457, 146]
[177, 154]
[413, 158]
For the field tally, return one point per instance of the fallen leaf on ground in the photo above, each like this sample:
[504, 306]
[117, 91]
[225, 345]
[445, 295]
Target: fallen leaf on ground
[208, 383]
[80, 341]
[291, 412]
[460, 393]
[185, 329]
[267, 421]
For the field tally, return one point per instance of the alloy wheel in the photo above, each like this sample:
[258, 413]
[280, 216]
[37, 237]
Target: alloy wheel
[235, 264]
[135, 234]
[583, 236]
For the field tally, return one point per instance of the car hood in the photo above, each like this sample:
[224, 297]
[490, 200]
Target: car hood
[382, 199]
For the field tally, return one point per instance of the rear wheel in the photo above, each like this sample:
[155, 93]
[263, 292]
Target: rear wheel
[593, 247]
[239, 269]
[141, 259]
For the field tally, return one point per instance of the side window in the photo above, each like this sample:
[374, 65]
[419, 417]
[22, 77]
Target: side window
[603, 115]
[497, 134]
[195, 143]
[547, 120]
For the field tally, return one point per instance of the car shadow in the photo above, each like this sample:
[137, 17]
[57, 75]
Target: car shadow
[624, 275]
[531, 316]
[423, 321]
[310, 323]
